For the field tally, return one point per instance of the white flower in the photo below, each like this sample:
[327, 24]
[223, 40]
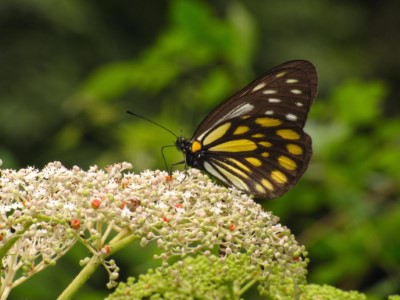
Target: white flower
[53, 208]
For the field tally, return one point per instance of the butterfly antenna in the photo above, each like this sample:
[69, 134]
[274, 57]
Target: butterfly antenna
[148, 120]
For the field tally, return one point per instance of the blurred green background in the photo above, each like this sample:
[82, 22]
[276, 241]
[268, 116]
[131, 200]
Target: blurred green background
[69, 69]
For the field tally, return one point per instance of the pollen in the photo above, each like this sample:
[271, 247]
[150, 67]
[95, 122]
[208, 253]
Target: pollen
[278, 176]
[196, 146]
[288, 134]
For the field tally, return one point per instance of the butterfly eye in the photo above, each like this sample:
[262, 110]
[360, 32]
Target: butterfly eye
[254, 140]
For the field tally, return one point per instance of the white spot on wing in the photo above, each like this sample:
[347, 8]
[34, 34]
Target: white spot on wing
[259, 86]
[291, 117]
[210, 169]
[281, 74]
[239, 110]
[274, 100]
[217, 172]
[269, 92]
[299, 104]
[296, 91]
[235, 180]
[200, 137]
[292, 80]
[269, 112]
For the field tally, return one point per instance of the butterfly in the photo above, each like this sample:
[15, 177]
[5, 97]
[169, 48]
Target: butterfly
[254, 140]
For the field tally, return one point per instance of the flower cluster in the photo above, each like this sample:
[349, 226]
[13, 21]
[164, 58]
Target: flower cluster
[44, 212]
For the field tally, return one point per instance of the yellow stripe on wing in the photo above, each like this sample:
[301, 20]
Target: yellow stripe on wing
[217, 133]
[224, 175]
[241, 145]
[236, 181]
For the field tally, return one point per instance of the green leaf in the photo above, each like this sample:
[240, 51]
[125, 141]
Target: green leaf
[356, 102]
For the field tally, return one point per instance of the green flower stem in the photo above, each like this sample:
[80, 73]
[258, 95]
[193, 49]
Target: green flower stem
[121, 240]
[6, 286]
[248, 285]
[231, 292]
[82, 277]
[7, 283]
[7, 246]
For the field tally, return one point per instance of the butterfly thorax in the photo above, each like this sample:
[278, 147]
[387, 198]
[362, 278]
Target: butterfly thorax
[192, 151]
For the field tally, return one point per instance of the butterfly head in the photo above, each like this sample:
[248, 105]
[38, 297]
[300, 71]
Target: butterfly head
[192, 151]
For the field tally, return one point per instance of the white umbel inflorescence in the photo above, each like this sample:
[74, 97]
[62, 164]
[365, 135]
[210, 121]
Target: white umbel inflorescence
[44, 212]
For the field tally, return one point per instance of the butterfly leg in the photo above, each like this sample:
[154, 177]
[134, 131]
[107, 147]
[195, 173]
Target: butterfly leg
[169, 170]
[185, 171]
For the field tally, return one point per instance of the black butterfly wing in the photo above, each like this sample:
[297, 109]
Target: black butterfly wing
[260, 155]
[287, 91]
[255, 139]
